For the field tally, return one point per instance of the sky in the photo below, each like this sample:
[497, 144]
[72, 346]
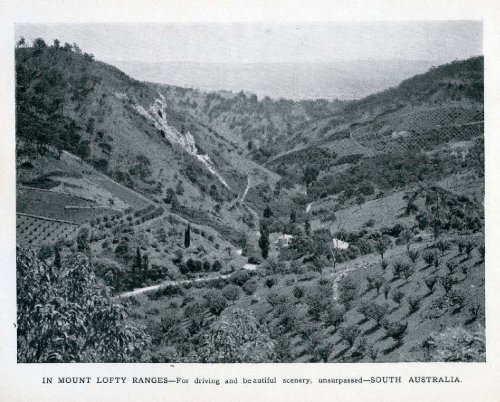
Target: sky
[441, 41]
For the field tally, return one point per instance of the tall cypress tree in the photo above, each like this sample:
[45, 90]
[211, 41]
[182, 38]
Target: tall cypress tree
[136, 266]
[145, 266]
[307, 227]
[187, 236]
[264, 242]
[57, 257]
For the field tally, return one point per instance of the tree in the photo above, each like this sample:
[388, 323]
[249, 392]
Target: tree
[216, 266]
[270, 282]
[293, 217]
[430, 282]
[348, 290]
[377, 312]
[349, 334]
[413, 255]
[378, 281]
[216, 302]
[386, 289]
[21, 42]
[443, 246]
[469, 247]
[267, 212]
[39, 43]
[66, 315]
[187, 236]
[77, 49]
[310, 175]
[334, 315]
[429, 258]
[382, 245]
[82, 240]
[57, 257]
[231, 292]
[298, 291]
[407, 236]
[264, 242]
[396, 330]
[447, 282]
[413, 303]
[45, 252]
[397, 295]
[408, 271]
[237, 337]
[307, 227]
[57, 43]
[251, 286]
[145, 266]
[482, 252]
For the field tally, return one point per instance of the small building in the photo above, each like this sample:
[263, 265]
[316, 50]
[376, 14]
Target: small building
[339, 244]
[284, 240]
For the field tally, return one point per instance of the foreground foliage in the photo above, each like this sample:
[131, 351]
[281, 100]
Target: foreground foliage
[64, 314]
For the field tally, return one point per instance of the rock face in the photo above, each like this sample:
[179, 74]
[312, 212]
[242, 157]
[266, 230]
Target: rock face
[157, 113]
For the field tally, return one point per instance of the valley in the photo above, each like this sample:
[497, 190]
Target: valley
[222, 227]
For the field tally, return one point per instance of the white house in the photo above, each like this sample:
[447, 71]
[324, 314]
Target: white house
[284, 240]
[339, 244]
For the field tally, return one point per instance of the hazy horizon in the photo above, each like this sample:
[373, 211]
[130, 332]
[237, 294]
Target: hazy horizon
[297, 61]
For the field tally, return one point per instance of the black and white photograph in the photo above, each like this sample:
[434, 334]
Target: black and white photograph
[250, 192]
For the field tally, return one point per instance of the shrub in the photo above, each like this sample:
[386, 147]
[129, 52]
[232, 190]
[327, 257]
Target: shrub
[384, 264]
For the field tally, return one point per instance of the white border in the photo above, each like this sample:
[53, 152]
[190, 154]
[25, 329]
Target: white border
[23, 382]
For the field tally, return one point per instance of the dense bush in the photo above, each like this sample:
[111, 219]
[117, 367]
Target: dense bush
[50, 298]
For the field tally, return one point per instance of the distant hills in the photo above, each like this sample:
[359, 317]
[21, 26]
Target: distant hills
[336, 80]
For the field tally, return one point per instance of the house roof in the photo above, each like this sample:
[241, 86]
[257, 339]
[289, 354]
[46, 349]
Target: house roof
[340, 244]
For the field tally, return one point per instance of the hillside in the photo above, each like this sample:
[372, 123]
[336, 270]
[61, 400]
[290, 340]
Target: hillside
[233, 229]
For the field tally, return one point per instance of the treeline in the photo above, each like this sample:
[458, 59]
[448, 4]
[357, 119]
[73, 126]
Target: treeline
[42, 91]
